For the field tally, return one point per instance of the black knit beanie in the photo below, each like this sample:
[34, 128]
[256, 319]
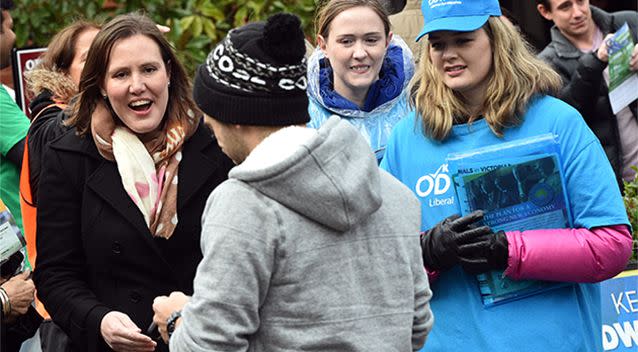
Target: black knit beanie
[256, 75]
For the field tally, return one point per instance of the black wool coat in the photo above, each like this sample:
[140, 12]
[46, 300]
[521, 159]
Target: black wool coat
[95, 252]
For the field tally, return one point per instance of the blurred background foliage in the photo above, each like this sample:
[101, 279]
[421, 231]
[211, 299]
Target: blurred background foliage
[196, 25]
[630, 197]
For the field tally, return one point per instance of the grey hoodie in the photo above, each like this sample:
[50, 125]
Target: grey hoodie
[309, 247]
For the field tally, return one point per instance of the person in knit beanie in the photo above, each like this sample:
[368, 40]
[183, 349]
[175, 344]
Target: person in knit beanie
[302, 243]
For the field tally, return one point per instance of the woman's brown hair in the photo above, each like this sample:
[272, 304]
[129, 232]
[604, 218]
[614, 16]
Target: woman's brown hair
[52, 70]
[517, 76]
[180, 103]
[61, 49]
[331, 8]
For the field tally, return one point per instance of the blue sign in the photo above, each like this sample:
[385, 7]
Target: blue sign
[619, 305]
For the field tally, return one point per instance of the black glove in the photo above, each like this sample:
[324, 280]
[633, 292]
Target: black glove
[440, 244]
[484, 253]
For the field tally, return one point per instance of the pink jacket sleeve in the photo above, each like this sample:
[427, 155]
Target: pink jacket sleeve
[575, 255]
[432, 275]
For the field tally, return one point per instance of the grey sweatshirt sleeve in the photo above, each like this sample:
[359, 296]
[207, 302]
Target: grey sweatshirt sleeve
[232, 278]
[423, 318]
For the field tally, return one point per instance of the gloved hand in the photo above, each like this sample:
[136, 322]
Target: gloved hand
[484, 253]
[440, 244]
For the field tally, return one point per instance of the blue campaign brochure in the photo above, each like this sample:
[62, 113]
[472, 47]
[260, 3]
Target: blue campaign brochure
[519, 186]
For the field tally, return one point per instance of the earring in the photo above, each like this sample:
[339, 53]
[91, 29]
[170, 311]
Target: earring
[169, 83]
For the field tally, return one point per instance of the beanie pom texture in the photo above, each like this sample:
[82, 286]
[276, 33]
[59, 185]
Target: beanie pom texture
[283, 38]
[256, 75]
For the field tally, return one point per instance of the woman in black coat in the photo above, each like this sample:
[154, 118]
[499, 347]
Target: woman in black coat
[53, 83]
[121, 194]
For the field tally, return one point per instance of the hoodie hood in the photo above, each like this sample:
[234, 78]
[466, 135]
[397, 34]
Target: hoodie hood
[398, 69]
[329, 175]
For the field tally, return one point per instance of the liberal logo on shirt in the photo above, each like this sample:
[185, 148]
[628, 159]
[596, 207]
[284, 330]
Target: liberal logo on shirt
[435, 186]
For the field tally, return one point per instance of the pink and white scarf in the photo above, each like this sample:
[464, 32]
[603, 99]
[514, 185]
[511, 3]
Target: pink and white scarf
[148, 170]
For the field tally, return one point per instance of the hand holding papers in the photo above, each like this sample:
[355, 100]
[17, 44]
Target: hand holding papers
[11, 239]
[519, 185]
[623, 83]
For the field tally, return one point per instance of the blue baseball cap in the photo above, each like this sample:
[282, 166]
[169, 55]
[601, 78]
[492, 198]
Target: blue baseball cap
[456, 15]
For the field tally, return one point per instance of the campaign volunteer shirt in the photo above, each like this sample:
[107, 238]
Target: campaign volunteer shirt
[563, 319]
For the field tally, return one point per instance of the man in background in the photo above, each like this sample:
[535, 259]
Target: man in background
[578, 52]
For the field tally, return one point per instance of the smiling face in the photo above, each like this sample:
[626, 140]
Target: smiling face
[82, 45]
[464, 62]
[137, 84]
[355, 46]
[571, 17]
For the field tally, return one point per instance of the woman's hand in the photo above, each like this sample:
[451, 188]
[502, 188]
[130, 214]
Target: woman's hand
[121, 334]
[440, 244]
[484, 253]
[20, 290]
[163, 307]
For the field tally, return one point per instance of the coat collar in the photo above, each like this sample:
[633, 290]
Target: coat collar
[195, 169]
[197, 165]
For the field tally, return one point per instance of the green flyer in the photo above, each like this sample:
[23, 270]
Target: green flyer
[623, 83]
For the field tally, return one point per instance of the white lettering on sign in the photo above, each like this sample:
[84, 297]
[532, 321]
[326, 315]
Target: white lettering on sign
[30, 64]
[632, 305]
[614, 334]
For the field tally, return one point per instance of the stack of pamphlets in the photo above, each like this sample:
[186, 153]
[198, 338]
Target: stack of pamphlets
[520, 186]
[11, 238]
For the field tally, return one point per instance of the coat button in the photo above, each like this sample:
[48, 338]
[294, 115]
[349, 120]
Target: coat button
[136, 297]
[116, 247]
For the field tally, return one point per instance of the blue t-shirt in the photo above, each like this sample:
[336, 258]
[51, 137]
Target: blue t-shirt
[564, 319]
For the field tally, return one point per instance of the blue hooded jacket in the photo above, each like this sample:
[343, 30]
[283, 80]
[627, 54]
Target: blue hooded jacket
[386, 102]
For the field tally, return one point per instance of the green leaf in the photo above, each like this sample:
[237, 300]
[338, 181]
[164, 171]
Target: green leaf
[91, 10]
[186, 22]
[210, 29]
[211, 10]
[36, 21]
[256, 7]
[197, 26]
[198, 42]
[21, 39]
[240, 16]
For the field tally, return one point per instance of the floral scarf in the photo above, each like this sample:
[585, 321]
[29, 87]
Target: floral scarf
[148, 170]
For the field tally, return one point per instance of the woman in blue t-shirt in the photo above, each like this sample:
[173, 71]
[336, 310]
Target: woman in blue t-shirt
[359, 71]
[477, 85]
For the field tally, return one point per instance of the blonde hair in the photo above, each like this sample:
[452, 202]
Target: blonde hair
[516, 77]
